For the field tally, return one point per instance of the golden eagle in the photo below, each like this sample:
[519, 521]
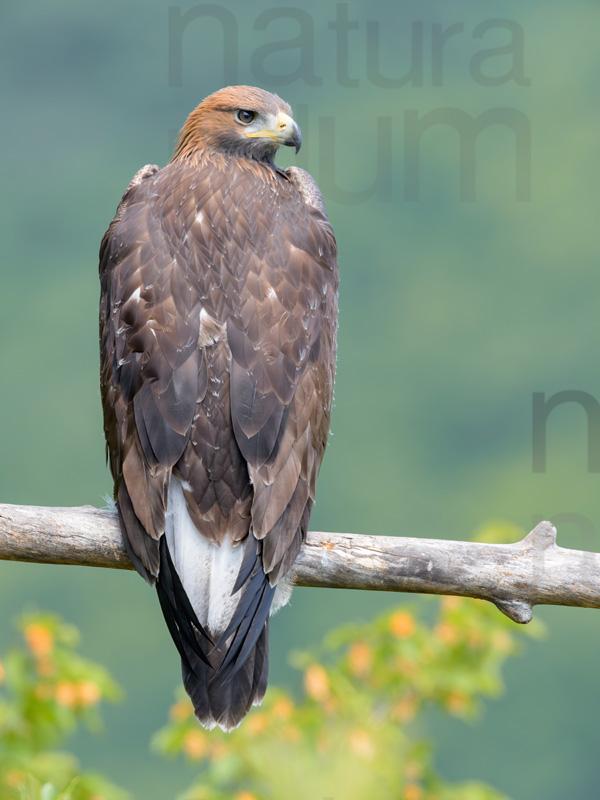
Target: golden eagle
[218, 319]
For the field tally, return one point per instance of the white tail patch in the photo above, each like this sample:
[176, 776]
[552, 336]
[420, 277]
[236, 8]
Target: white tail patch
[208, 572]
[283, 592]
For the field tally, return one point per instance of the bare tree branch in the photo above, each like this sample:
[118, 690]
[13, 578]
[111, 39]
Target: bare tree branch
[515, 577]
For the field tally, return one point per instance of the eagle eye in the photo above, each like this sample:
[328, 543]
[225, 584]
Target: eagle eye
[244, 116]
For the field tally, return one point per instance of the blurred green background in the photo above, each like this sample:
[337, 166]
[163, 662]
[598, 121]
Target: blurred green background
[453, 312]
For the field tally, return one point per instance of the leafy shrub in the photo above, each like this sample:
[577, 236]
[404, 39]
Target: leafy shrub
[46, 690]
[355, 731]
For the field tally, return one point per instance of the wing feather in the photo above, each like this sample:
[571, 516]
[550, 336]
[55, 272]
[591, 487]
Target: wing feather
[152, 374]
[283, 358]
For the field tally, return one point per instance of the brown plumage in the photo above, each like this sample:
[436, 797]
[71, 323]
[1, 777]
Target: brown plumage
[218, 318]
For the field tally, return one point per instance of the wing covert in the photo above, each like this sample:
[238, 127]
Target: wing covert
[152, 372]
[282, 368]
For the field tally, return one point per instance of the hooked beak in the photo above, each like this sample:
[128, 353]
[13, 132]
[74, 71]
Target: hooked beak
[287, 132]
[291, 130]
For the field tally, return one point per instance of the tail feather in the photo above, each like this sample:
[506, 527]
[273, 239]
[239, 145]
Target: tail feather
[216, 603]
[228, 703]
[253, 582]
[249, 629]
[179, 615]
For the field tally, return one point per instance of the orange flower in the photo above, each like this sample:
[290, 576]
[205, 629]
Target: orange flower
[406, 708]
[2, 672]
[283, 708]
[457, 702]
[402, 624]
[476, 639]
[45, 666]
[451, 603]
[446, 633]
[360, 658]
[180, 710]
[14, 778]
[407, 666]
[195, 745]
[412, 791]
[66, 694]
[316, 682]
[245, 796]
[39, 639]
[361, 744]
[88, 693]
[413, 770]
[218, 751]
[257, 723]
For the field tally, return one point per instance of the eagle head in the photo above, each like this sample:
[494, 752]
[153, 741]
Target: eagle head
[240, 121]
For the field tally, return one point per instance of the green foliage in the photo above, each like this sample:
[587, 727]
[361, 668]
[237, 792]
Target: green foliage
[47, 690]
[355, 732]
